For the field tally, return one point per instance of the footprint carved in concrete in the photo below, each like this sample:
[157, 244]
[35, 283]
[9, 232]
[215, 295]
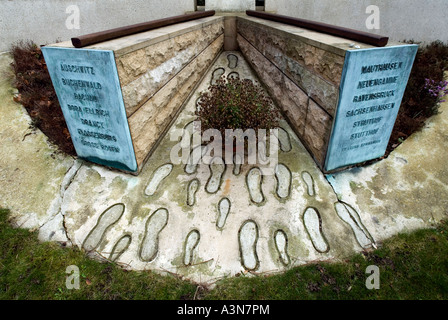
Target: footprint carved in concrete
[191, 243]
[217, 168]
[281, 244]
[309, 181]
[161, 173]
[248, 237]
[233, 61]
[186, 139]
[223, 212]
[283, 140]
[351, 217]
[217, 73]
[262, 152]
[254, 180]
[237, 162]
[193, 159]
[193, 187]
[108, 218]
[283, 176]
[313, 226]
[120, 247]
[154, 225]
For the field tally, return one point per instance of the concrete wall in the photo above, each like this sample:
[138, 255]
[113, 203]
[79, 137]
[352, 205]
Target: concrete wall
[418, 20]
[230, 5]
[301, 71]
[44, 21]
[158, 71]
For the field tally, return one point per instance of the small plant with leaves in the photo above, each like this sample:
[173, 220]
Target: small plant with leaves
[233, 103]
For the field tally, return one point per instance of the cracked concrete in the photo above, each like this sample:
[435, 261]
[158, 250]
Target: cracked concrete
[175, 225]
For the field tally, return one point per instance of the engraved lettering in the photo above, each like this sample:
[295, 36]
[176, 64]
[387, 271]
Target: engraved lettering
[77, 69]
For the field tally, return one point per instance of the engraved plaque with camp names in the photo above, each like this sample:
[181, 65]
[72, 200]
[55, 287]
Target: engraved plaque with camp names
[372, 87]
[88, 88]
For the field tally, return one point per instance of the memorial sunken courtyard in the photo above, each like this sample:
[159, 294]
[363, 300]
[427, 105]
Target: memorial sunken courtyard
[210, 221]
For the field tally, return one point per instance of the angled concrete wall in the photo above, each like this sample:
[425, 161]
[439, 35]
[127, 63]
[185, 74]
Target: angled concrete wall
[158, 71]
[305, 73]
[45, 21]
[418, 20]
[230, 5]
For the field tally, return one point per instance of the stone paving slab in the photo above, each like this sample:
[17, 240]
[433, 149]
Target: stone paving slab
[217, 221]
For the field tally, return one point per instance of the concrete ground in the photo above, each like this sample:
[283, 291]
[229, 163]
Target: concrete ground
[207, 222]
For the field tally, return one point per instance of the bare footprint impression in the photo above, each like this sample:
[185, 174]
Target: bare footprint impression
[217, 73]
[161, 173]
[281, 244]
[154, 225]
[108, 218]
[193, 187]
[313, 225]
[120, 247]
[191, 242]
[283, 139]
[217, 168]
[283, 176]
[254, 179]
[248, 237]
[233, 61]
[223, 212]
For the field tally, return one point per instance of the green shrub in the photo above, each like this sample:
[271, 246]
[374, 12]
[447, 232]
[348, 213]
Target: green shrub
[234, 103]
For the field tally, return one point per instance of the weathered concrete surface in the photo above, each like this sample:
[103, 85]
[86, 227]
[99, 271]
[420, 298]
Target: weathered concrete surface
[31, 170]
[230, 5]
[297, 219]
[218, 252]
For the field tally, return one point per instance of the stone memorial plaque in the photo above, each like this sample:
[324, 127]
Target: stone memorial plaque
[88, 89]
[372, 87]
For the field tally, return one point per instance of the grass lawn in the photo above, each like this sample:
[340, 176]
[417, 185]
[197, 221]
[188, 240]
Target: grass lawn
[411, 266]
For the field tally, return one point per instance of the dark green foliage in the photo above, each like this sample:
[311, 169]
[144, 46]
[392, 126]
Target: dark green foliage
[236, 104]
[32, 270]
[418, 103]
[412, 266]
[430, 63]
[37, 95]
